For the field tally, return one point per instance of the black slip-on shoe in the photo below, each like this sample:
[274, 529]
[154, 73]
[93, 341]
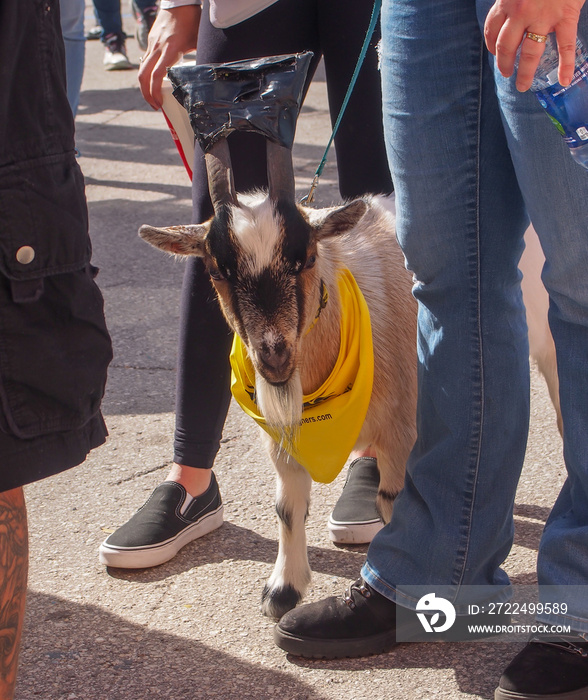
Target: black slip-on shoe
[361, 623]
[159, 529]
[354, 519]
[548, 668]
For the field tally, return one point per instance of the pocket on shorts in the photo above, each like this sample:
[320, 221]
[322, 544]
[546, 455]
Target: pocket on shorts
[54, 354]
[54, 344]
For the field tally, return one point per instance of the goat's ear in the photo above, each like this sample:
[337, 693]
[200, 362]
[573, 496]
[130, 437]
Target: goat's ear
[177, 240]
[342, 219]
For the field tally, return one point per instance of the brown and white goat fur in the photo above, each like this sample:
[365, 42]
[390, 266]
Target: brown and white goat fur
[536, 298]
[267, 258]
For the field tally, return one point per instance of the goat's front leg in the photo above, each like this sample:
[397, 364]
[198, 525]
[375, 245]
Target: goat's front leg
[291, 574]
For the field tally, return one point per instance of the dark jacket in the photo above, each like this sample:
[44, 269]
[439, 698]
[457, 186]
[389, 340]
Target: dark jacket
[54, 345]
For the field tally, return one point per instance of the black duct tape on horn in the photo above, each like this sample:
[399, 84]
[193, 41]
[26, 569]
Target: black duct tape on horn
[261, 95]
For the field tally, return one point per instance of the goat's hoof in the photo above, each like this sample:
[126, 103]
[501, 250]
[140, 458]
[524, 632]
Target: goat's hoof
[276, 602]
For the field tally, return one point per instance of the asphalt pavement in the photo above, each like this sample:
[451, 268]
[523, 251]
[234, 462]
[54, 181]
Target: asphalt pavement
[192, 629]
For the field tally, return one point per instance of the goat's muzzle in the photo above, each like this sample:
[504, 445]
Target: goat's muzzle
[276, 361]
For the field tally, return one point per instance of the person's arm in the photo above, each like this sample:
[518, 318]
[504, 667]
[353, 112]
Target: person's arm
[174, 33]
[14, 564]
[506, 26]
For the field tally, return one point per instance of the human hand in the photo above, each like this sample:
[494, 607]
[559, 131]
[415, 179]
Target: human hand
[174, 33]
[506, 26]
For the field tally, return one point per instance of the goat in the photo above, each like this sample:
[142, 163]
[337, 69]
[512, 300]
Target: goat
[536, 299]
[271, 261]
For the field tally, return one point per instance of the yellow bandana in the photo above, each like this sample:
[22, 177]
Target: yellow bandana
[333, 415]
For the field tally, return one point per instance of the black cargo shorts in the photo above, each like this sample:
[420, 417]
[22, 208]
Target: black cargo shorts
[54, 345]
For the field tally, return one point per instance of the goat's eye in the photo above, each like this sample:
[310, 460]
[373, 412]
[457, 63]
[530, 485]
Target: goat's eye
[300, 266]
[217, 275]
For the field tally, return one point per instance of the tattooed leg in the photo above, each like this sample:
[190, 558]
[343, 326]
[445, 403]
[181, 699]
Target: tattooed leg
[14, 558]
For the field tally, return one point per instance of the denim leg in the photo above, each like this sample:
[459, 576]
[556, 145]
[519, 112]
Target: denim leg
[72, 27]
[555, 189]
[461, 222]
[109, 17]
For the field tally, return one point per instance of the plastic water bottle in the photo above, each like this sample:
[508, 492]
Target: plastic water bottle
[567, 107]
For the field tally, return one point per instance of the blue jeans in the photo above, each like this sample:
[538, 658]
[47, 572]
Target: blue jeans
[472, 160]
[108, 15]
[72, 27]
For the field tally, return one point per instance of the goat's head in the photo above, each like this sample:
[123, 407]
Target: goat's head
[262, 254]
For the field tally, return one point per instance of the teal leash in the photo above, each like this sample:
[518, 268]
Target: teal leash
[308, 199]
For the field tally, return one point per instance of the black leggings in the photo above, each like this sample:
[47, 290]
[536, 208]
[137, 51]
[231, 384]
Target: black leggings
[334, 29]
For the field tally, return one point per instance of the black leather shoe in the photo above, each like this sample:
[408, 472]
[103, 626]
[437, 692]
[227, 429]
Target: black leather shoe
[548, 668]
[361, 623]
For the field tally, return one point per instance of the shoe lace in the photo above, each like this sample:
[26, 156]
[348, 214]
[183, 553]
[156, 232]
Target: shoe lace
[359, 586]
[565, 643]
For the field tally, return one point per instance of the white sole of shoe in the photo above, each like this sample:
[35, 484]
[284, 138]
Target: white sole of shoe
[119, 64]
[118, 67]
[579, 694]
[154, 555]
[353, 533]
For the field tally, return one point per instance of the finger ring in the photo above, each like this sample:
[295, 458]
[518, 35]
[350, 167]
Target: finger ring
[539, 38]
